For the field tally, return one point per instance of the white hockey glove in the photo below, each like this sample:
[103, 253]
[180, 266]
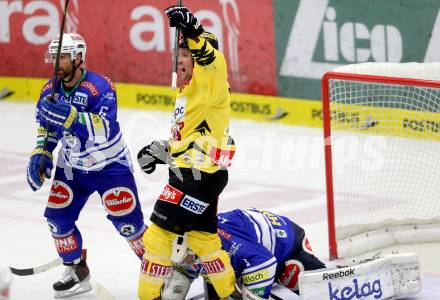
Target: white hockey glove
[151, 155]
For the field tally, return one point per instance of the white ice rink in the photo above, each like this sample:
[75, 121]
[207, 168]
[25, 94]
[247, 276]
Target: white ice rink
[278, 168]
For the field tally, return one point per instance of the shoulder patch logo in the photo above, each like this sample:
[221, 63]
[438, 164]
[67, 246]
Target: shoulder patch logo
[90, 87]
[46, 87]
[110, 83]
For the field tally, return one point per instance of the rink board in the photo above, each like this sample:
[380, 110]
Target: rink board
[269, 109]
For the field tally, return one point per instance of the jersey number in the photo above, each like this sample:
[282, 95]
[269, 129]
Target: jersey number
[103, 111]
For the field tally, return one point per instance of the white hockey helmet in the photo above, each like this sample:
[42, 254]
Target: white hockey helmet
[5, 282]
[73, 43]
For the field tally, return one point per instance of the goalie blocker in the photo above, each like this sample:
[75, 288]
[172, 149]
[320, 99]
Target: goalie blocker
[394, 276]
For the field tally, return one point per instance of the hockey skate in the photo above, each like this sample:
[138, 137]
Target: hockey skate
[75, 279]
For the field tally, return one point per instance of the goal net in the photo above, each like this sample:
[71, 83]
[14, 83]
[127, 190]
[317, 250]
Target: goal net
[382, 153]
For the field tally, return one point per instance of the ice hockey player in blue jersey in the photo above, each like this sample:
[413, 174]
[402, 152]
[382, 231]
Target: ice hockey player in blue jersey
[93, 157]
[265, 248]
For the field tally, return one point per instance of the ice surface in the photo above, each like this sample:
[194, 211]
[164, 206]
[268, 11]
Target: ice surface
[279, 168]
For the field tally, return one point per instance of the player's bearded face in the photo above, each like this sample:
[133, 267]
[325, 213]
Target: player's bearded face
[186, 65]
[65, 68]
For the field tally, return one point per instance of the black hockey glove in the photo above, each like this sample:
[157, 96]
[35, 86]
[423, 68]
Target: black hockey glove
[180, 16]
[153, 154]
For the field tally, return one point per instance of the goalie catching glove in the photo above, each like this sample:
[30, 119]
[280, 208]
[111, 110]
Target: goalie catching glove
[181, 17]
[153, 154]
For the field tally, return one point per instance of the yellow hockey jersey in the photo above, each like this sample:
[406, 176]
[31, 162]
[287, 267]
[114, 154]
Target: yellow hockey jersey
[200, 123]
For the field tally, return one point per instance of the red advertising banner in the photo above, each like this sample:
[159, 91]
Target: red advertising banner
[130, 41]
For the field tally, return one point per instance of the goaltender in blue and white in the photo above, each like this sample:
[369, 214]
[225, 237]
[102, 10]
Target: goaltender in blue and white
[265, 248]
[268, 250]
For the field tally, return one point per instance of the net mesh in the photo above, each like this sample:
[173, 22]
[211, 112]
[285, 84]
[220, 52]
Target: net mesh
[385, 155]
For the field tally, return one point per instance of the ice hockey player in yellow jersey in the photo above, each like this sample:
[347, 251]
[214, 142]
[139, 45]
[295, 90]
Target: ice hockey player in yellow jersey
[200, 137]
[198, 154]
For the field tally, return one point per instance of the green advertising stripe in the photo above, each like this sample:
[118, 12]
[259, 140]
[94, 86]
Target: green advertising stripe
[317, 36]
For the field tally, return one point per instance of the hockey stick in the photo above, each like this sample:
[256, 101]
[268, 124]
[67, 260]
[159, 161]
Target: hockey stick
[175, 54]
[54, 84]
[40, 269]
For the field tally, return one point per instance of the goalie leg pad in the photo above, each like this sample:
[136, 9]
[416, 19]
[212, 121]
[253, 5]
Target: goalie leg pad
[176, 286]
[393, 276]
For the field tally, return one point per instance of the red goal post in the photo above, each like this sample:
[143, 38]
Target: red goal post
[382, 153]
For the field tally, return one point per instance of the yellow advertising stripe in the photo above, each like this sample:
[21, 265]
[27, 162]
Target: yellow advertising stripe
[268, 109]
[138, 96]
[243, 106]
[145, 96]
[386, 121]
[277, 110]
[21, 89]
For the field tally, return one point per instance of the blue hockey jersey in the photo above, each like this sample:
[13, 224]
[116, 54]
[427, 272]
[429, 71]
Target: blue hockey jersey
[94, 142]
[258, 242]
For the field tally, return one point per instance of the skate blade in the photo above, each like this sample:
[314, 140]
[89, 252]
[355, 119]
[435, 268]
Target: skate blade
[81, 288]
